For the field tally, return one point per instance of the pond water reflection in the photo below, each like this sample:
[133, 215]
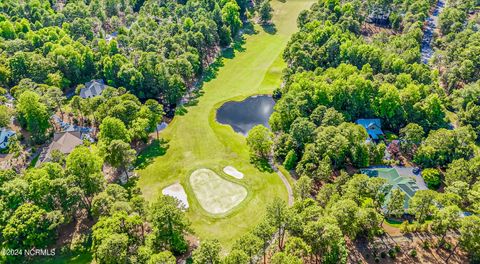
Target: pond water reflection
[243, 116]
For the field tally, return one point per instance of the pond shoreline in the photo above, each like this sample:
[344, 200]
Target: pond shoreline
[245, 114]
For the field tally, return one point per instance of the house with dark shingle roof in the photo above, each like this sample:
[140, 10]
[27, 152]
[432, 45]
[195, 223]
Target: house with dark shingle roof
[92, 89]
[373, 127]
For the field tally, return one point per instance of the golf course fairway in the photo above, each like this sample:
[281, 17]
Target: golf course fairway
[195, 140]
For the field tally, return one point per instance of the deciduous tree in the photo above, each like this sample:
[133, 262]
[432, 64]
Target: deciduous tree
[207, 253]
[260, 141]
[169, 224]
[120, 155]
[33, 115]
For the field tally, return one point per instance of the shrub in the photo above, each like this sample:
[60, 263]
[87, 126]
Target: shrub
[404, 227]
[426, 244]
[424, 227]
[383, 254]
[397, 248]
[290, 160]
[448, 246]
[432, 178]
[415, 227]
[392, 253]
[413, 253]
[79, 243]
[380, 232]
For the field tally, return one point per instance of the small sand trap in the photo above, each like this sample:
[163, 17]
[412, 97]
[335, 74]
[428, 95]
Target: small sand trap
[215, 194]
[233, 172]
[176, 191]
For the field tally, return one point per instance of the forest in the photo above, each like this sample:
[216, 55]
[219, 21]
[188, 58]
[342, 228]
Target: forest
[154, 49]
[338, 74]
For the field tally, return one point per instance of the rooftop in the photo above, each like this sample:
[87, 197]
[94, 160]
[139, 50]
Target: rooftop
[92, 89]
[373, 127]
[399, 178]
[64, 142]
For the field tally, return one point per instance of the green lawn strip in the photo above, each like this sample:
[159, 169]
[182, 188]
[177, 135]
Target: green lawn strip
[393, 223]
[81, 258]
[197, 141]
[287, 175]
[34, 162]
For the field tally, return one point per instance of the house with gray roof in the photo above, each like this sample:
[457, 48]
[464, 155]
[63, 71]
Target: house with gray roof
[63, 142]
[92, 89]
[110, 37]
[373, 127]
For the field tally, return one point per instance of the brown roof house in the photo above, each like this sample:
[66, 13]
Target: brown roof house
[64, 142]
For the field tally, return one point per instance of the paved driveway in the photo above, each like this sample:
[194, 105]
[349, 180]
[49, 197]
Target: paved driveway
[408, 172]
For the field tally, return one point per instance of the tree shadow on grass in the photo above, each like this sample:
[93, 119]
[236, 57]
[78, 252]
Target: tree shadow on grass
[156, 149]
[270, 28]
[249, 28]
[261, 164]
[238, 45]
[181, 110]
[212, 71]
[229, 52]
[239, 41]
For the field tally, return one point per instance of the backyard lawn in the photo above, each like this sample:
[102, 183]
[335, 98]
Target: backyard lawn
[195, 140]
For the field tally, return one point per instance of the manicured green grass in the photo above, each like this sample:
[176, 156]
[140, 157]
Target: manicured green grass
[197, 141]
[34, 162]
[81, 258]
[393, 223]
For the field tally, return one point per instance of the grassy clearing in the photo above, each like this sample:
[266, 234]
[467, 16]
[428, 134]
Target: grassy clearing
[197, 141]
[146, 157]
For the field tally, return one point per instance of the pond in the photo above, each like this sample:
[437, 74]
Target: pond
[244, 115]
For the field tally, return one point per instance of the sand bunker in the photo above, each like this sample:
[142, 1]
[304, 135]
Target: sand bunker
[176, 190]
[215, 194]
[233, 172]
